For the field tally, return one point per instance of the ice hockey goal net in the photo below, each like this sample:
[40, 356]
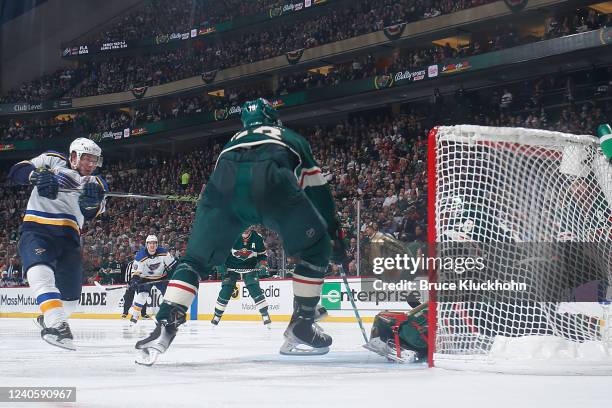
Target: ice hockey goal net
[534, 205]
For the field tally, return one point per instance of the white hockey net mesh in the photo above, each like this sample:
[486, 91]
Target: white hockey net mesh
[535, 205]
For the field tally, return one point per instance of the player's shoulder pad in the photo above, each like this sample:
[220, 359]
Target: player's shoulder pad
[52, 158]
[102, 182]
[53, 153]
[142, 254]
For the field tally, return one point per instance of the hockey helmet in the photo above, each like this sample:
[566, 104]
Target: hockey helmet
[258, 112]
[83, 145]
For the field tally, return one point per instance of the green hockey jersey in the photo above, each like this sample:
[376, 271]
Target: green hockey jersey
[110, 272]
[307, 171]
[247, 253]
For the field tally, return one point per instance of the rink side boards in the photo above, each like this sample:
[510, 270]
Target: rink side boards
[97, 303]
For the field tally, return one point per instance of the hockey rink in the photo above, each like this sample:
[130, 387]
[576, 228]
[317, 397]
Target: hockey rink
[237, 365]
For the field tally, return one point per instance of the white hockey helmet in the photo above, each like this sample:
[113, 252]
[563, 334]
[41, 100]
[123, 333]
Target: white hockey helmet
[151, 238]
[83, 145]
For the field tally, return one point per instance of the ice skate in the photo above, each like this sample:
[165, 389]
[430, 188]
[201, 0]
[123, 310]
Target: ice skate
[157, 343]
[40, 321]
[160, 339]
[305, 337]
[59, 336]
[267, 321]
[215, 320]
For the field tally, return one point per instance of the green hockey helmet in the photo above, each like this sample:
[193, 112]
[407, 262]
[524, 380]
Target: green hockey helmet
[258, 112]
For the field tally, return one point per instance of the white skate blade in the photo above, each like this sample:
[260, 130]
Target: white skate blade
[295, 347]
[147, 357]
[37, 324]
[292, 349]
[66, 344]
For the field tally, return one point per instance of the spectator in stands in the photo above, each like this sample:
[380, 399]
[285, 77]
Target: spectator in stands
[505, 102]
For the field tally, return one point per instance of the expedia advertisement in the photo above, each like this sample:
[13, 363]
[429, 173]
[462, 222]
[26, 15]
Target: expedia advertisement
[279, 295]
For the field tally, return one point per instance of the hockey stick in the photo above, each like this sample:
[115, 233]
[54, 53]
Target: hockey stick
[350, 296]
[98, 284]
[167, 197]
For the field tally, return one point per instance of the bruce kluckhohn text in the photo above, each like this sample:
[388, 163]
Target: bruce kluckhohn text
[458, 265]
[466, 285]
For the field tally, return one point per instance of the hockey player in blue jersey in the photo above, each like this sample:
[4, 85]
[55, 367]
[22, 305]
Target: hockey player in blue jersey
[151, 267]
[49, 242]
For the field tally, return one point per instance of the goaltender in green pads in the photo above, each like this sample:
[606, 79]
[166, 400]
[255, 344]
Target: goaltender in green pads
[266, 174]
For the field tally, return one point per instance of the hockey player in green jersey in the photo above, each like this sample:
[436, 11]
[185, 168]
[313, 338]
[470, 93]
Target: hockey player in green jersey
[247, 258]
[266, 174]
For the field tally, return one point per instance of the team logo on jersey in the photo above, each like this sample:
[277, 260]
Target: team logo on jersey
[39, 251]
[242, 253]
[154, 266]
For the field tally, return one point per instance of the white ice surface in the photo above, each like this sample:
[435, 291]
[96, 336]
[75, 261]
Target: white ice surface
[238, 365]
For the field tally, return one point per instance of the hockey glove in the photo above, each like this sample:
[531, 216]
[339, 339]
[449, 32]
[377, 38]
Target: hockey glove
[134, 283]
[46, 183]
[262, 269]
[90, 199]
